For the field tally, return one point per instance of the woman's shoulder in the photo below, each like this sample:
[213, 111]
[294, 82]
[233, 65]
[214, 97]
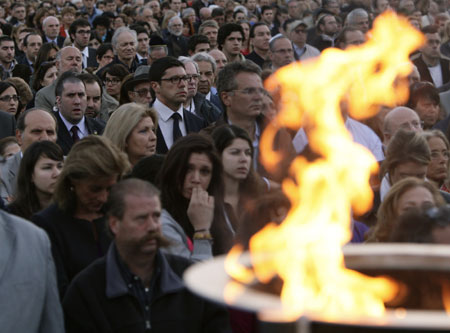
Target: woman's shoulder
[48, 215]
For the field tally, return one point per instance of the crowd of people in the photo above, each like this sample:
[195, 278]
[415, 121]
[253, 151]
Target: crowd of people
[130, 148]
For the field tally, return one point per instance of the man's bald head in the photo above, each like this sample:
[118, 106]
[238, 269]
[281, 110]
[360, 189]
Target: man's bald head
[400, 117]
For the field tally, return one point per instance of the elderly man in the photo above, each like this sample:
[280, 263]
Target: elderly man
[177, 44]
[71, 100]
[281, 52]
[138, 287]
[124, 43]
[196, 102]
[207, 71]
[220, 58]
[51, 29]
[29, 301]
[398, 118]
[33, 125]
[358, 18]
[296, 31]
[67, 59]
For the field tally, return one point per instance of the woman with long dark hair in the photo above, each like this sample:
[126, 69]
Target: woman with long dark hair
[192, 198]
[39, 169]
[242, 184]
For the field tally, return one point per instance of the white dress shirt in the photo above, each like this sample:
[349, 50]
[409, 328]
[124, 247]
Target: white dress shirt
[165, 122]
[82, 128]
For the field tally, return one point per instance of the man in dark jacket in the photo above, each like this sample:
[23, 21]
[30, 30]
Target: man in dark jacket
[136, 288]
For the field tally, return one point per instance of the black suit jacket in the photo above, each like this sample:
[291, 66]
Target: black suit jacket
[216, 101]
[193, 124]
[7, 125]
[92, 58]
[65, 140]
[425, 73]
[22, 60]
[59, 41]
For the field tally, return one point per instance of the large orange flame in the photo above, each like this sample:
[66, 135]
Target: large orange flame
[305, 250]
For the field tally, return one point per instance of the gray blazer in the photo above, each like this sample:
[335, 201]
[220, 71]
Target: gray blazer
[46, 98]
[8, 174]
[29, 300]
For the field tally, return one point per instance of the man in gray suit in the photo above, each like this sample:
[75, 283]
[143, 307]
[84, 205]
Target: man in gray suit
[29, 299]
[67, 59]
[33, 125]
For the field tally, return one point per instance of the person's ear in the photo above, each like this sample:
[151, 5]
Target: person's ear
[113, 223]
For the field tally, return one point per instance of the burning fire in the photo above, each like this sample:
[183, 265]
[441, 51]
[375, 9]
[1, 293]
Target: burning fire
[305, 250]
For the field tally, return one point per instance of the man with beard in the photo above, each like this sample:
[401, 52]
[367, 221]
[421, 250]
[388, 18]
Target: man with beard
[96, 105]
[135, 287]
[7, 61]
[176, 43]
[327, 29]
[196, 102]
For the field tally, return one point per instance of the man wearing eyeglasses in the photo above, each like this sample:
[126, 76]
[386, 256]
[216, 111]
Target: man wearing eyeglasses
[138, 89]
[80, 33]
[281, 52]
[296, 31]
[169, 83]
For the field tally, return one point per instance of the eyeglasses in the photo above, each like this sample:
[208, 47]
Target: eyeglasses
[436, 154]
[142, 92]
[177, 79]
[113, 81]
[84, 32]
[193, 77]
[8, 98]
[251, 91]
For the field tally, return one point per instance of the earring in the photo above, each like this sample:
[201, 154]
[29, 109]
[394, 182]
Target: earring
[71, 188]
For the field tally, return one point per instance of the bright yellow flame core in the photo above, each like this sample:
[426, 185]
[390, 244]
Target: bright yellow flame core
[305, 250]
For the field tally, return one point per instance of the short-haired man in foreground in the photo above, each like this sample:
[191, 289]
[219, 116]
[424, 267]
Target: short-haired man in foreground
[136, 288]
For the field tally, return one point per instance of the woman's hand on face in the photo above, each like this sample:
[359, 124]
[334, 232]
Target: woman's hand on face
[201, 209]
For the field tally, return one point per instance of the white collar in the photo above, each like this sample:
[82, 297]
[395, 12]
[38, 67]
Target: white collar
[165, 112]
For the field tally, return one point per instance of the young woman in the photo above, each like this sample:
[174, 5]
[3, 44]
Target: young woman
[39, 169]
[192, 199]
[241, 182]
[45, 75]
[9, 98]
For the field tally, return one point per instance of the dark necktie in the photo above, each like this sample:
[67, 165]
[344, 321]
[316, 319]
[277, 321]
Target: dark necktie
[75, 136]
[176, 126]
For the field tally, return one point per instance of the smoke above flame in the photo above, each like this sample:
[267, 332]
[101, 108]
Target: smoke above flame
[305, 251]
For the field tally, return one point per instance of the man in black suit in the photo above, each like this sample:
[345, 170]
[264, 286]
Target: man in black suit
[80, 33]
[71, 101]
[50, 26]
[32, 43]
[7, 124]
[168, 81]
[431, 66]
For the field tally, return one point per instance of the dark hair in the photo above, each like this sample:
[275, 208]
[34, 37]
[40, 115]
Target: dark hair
[253, 28]
[5, 39]
[226, 80]
[115, 206]
[40, 74]
[79, 23]
[237, 12]
[103, 48]
[226, 30]
[159, 67]
[117, 70]
[5, 85]
[430, 29]
[102, 21]
[218, 11]
[223, 137]
[264, 8]
[27, 202]
[148, 168]
[195, 40]
[5, 142]
[66, 77]
[43, 53]
[171, 180]
[25, 40]
[342, 35]
[420, 90]
[89, 78]
[139, 29]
